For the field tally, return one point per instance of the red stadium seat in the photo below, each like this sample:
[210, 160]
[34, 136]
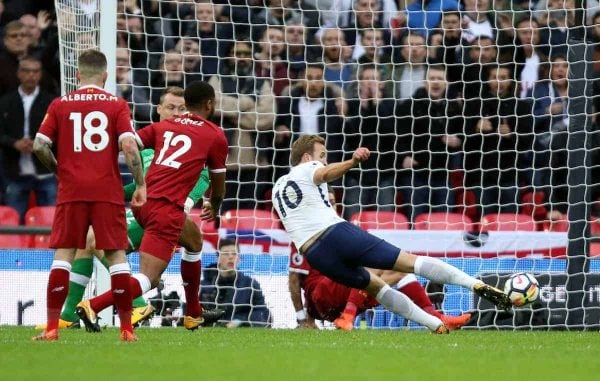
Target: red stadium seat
[532, 204]
[443, 221]
[40, 216]
[250, 219]
[10, 217]
[380, 220]
[507, 222]
[595, 226]
[556, 226]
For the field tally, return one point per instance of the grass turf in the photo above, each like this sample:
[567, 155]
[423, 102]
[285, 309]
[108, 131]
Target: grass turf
[256, 354]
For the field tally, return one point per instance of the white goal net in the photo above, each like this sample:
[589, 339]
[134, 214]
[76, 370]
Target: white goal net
[475, 111]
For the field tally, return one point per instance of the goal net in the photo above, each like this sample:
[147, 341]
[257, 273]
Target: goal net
[475, 114]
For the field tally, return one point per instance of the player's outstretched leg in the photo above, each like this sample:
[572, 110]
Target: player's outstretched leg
[401, 304]
[441, 272]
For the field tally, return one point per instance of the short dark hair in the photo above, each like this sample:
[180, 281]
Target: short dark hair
[305, 144]
[173, 90]
[364, 67]
[451, 13]
[91, 62]
[30, 59]
[198, 93]
[227, 242]
[437, 66]
[313, 65]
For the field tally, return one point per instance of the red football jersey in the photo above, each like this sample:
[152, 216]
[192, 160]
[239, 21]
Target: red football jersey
[183, 146]
[85, 128]
[299, 264]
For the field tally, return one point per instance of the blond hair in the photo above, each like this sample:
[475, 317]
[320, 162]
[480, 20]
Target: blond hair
[306, 144]
[91, 63]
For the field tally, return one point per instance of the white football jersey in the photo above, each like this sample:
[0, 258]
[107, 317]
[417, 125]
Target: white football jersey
[303, 207]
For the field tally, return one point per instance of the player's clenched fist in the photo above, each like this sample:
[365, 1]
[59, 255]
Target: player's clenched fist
[361, 154]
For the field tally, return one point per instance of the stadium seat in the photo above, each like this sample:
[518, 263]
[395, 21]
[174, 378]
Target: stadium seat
[10, 217]
[380, 220]
[532, 204]
[443, 221]
[595, 226]
[466, 203]
[556, 226]
[40, 216]
[250, 219]
[507, 222]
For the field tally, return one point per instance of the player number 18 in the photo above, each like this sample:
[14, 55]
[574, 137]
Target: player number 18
[94, 124]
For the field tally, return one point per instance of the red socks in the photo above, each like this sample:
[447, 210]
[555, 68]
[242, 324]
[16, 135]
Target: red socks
[121, 295]
[105, 300]
[56, 293]
[356, 298]
[191, 269]
[417, 294]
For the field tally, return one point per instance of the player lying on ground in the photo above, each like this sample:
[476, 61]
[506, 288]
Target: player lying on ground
[342, 251]
[171, 104]
[328, 300]
[185, 145]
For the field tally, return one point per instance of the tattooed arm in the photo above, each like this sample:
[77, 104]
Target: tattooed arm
[43, 151]
[134, 163]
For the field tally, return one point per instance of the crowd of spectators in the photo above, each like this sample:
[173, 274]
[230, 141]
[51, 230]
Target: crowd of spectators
[451, 96]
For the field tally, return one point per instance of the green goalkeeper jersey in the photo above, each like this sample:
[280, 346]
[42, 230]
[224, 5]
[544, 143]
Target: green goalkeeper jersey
[134, 230]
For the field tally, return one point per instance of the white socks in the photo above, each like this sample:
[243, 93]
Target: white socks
[441, 272]
[119, 268]
[401, 304]
[190, 256]
[57, 264]
[144, 282]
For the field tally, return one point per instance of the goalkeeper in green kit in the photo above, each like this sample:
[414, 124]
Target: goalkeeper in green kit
[171, 103]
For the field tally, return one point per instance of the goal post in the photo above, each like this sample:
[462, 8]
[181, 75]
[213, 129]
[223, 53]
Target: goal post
[579, 163]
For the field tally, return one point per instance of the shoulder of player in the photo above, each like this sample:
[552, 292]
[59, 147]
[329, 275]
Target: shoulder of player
[308, 165]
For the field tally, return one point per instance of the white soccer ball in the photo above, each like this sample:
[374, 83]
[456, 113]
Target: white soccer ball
[522, 289]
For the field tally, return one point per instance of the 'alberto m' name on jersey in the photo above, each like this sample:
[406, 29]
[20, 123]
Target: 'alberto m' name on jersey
[302, 206]
[85, 128]
[183, 146]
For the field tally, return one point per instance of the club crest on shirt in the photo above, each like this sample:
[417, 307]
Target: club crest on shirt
[297, 259]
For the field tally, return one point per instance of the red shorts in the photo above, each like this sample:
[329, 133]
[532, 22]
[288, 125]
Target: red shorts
[72, 220]
[327, 299]
[162, 221]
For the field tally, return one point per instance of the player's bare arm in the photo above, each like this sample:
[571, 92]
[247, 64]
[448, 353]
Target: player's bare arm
[334, 171]
[211, 209]
[134, 163]
[302, 316]
[43, 151]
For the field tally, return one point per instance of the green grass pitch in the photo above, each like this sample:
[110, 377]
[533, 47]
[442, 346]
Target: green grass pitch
[255, 354]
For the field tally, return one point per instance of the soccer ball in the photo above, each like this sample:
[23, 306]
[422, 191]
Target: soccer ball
[522, 289]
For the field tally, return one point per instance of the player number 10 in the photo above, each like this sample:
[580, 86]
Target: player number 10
[94, 124]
